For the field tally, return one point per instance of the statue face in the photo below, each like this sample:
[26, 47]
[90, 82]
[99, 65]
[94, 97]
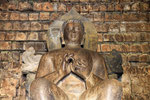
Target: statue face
[73, 32]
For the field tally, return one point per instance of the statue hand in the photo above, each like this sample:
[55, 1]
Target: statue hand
[68, 61]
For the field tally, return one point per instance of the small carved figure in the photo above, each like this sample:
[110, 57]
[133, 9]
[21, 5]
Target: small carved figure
[73, 73]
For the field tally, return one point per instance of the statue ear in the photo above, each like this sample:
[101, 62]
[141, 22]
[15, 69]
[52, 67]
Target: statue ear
[83, 40]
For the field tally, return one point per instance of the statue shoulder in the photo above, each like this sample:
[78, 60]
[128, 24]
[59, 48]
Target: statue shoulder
[52, 53]
[96, 56]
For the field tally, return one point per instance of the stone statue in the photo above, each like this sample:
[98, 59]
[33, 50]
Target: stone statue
[73, 73]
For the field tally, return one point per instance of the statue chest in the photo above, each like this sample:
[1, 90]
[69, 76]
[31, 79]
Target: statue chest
[73, 86]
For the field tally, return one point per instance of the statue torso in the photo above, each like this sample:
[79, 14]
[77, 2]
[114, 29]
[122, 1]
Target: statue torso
[79, 59]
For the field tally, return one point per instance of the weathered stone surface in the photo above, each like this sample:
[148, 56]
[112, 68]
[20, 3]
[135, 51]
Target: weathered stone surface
[33, 36]
[5, 45]
[33, 16]
[2, 35]
[24, 16]
[30, 60]
[10, 36]
[21, 36]
[36, 26]
[44, 16]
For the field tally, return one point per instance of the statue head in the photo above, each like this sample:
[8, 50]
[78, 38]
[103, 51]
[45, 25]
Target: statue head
[73, 32]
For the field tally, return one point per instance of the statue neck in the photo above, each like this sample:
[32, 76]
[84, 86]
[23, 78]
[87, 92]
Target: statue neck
[73, 45]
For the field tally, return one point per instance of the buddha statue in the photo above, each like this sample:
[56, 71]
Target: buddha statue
[72, 72]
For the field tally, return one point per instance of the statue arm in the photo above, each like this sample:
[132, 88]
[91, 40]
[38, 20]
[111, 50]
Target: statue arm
[48, 70]
[46, 66]
[99, 66]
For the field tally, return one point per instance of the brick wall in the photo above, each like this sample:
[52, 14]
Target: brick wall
[121, 24]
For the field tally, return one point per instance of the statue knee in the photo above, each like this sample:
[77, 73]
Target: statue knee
[40, 88]
[114, 89]
[39, 84]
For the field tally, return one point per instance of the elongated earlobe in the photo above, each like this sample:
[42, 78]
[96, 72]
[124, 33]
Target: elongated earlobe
[83, 40]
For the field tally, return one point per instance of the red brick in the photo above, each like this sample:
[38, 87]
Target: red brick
[5, 45]
[4, 15]
[126, 7]
[10, 36]
[6, 56]
[1, 25]
[112, 17]
[108, 37]
[142, 37]
[96, 7]
[135, 48]
[119, 37]
[125, 48]
[25, 26]
[100, 37]
[42, 36]
[14, 16]
[129, 37]
[147, 37]
[16, 56]
[145, 48]
[137, 27]
[88, 16]
[133, 58]
[25, 6]
[40, 46]
[134, 16]
[101, 27]
[116, 47]
[33, 36]
[118, 7]
[47, 6]
[2, 35]
[33, 16]
[4, 6]
[84, 8]
[102, 7]
[122, 27]
[98, 16]
[17, 25]
[135, 6]
[37, 6]
[44, 15]
[17, 45]
[13, 6]
[144, 58]
[61, 7]
[45, 26]
[7, 26]
[110, 7]
[24, 16]
[105, 47]
[20, 36]
[27, 45]
[114, 27]
[54, 16]
[145, 6]
[35, 26]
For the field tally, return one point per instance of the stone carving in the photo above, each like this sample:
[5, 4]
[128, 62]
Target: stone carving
[55, 38]
[30, 61]
[73, 73]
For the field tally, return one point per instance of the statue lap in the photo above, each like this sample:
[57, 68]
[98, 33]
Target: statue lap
[47, 88]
